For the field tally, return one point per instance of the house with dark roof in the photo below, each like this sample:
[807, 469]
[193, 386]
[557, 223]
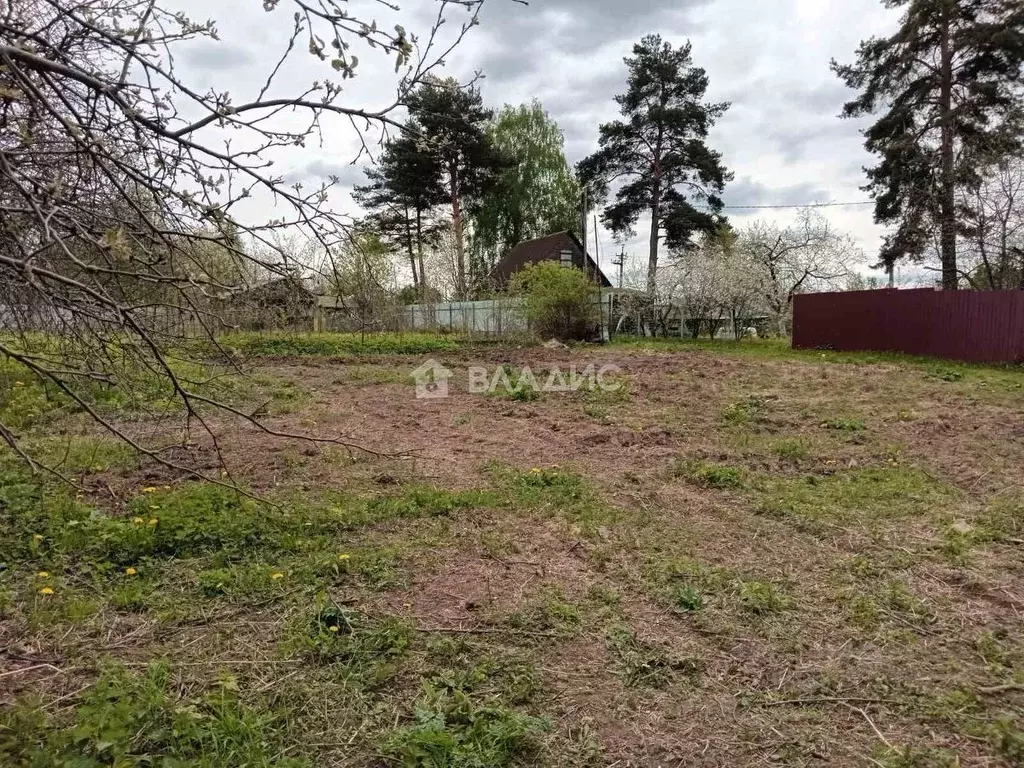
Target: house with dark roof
[562, 247]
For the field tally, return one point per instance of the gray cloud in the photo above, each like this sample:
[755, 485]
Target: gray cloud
[782, 136]
[748, 191]
[586, 24]
[323, 170]
[209, 55]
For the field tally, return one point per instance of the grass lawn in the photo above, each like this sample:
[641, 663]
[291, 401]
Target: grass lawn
[743, 556]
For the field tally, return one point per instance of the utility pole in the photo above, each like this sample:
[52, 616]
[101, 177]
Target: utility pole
[583, 222]
[619, 261]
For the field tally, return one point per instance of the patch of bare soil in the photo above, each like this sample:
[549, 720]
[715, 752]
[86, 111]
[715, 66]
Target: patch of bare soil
[881, 620]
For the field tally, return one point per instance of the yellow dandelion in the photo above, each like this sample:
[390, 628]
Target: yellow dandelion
[153, 521]
[151, 489]
[44, 574]
[38, 537]
[333, 628]
[130, 571]
[276, 575]
[344, 556]
[46, 591]
[138, 521]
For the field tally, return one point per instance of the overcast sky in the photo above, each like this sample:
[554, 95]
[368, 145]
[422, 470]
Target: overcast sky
[781, 137]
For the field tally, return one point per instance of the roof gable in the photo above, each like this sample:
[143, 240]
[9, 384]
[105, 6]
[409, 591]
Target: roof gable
[547, 248]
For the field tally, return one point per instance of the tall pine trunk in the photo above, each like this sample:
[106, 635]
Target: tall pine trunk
[947, 201]
[460, 246]
[419, 252]
[412, 258]
[652, 261]
[656, 191]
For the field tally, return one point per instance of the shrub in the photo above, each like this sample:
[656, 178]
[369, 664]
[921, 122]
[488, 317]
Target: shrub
[559, 301]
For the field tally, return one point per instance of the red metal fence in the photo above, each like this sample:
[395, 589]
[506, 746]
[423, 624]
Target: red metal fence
[979, 326]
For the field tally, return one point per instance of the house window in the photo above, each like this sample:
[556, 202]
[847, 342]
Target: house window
[566, 258]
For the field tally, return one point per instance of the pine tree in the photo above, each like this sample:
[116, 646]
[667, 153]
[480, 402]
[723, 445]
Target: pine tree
[948, 84]
[661, 150]
[452, 120]
[404, 189]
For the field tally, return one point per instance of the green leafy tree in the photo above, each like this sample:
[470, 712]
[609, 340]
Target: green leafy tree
[452, 122]
[559, 301]
[948, 85]
[536, 194]
[403, 193]
[659, 151]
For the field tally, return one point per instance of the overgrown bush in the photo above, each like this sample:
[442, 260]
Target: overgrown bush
[560, 302]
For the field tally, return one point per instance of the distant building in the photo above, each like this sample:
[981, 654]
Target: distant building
[277, 303]
[562, 247]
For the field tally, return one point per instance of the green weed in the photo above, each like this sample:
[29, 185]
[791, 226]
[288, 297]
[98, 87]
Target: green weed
[548, 611]
[742, 413]
[641, 664]
[369, 650]
[553, 489]
[706, 475]
[874, 493]
[686, 599]
[913, 757]
[516, 385]
[845, 425]
[945, 374]
[761, 599]
[133, 720]
[793, 449]
[455, 729]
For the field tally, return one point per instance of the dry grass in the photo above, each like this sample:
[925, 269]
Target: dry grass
[745, 558]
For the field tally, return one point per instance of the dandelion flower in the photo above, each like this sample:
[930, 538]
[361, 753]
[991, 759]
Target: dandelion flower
[153, 521]
[151, 489]
[130, 571]
[276, 575]
[344, 556]
[138, 521]
[38, 537]
[46, 591]
[333, 628]
[44, 574]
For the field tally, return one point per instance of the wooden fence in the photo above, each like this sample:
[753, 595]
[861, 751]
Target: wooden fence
[977, 326]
